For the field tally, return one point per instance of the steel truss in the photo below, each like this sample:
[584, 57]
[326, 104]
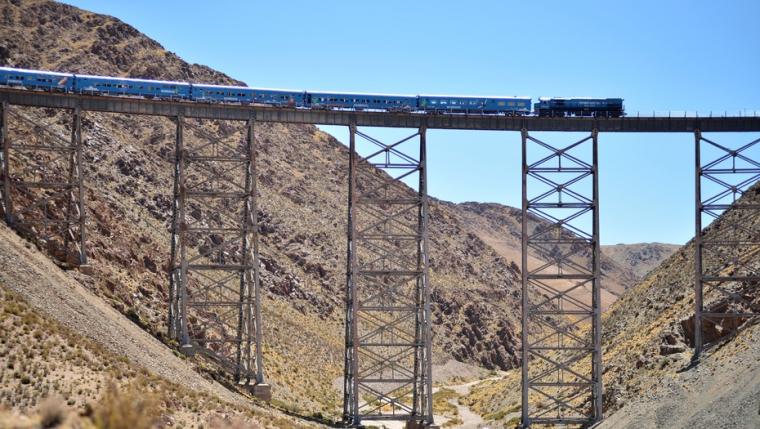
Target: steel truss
[214, 282]
[726, 271]
[42, 188]
[561, 313]
[388, 361]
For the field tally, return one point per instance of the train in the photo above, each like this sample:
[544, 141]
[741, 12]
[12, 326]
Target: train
[205, 93]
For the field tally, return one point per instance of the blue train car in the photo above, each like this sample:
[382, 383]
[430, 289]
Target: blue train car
[466, 104]
[589, 107]
[221, 94]
[279, 97]
[102, 85]
[36, 79]
[334, 100]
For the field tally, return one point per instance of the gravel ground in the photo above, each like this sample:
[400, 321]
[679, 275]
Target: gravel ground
[723, 391]
[53, 292]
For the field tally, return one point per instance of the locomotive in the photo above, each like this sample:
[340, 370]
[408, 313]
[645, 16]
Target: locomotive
[203, 93]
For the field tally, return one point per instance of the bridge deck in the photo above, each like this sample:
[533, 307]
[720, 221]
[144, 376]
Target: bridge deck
[141, 106]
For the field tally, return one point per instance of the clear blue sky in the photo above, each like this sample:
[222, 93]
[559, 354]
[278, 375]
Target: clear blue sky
[659, 55]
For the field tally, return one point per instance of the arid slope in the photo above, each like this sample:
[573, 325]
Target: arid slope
[302, 185]
[641, 258]
[647, 346]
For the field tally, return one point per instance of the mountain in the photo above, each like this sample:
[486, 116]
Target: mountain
[641, 258]
[93, 365]
[649, 379]
[474, 252]
[303, 189]
[500, 227]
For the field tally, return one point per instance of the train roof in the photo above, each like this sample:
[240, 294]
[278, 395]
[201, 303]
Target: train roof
[35, 71]
[280, 90]
[507, 97]
[578, 98]
[371, 94]
[209, 85]
[299, 91]
[132, 79]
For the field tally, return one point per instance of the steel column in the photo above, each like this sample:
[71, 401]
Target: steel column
[561, 308]
[175, 279]
[388, 365]
[215, 290]
[426, 369]
[350, 382]
[75, 209]
[697, 246]
[525, 343]
[726, 274]
[5, 164]
[596, 289]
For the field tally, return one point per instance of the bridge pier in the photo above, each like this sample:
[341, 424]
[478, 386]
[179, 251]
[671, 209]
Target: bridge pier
[59, 184]
[215, 301]
[561, 308]
[388, 363]
[723, 274]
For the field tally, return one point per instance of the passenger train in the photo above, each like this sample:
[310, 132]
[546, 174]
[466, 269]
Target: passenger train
[202, 93]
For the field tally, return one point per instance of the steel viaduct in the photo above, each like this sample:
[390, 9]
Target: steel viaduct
[215, 300]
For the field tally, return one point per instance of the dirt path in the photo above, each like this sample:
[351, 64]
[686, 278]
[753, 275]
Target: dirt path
[50, 290]
[469, 419]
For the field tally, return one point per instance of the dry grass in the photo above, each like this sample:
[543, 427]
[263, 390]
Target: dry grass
[52, 412]
[127, 409]
[50, 375]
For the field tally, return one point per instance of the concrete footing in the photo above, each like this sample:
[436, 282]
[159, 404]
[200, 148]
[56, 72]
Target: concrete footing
[187, 350]
[261, 391]
[85, 269]
[420, 425]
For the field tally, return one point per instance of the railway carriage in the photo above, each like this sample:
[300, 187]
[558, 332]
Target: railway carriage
[465, 104]
[441, 104]
[102, 85]
[334, 100]
[36, 79]
[221, 94]
[280, 97]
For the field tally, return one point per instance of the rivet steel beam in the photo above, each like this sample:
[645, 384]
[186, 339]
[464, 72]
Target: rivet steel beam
[377, 119]
[725, 278]
[561, 360]
[388, 362]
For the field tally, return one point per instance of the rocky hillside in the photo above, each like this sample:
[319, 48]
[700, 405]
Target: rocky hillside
[302, 208]
[68, 358]
[302, 183]
[641, 258]
[647, 345]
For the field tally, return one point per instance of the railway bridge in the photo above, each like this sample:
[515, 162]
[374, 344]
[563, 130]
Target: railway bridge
[215, 303]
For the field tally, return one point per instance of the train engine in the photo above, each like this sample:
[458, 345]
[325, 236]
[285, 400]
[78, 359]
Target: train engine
[585, 107]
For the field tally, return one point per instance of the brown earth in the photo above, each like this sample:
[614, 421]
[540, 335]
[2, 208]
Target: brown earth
[302, 184]
[622, 266]
[647, 349]
[641, 258]
[59, 340]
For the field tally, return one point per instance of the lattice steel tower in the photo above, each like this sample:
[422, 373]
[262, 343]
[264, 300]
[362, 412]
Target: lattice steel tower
[42, 184]
[726, 269]
[561, 341]
[388, 335]
[214, 283]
